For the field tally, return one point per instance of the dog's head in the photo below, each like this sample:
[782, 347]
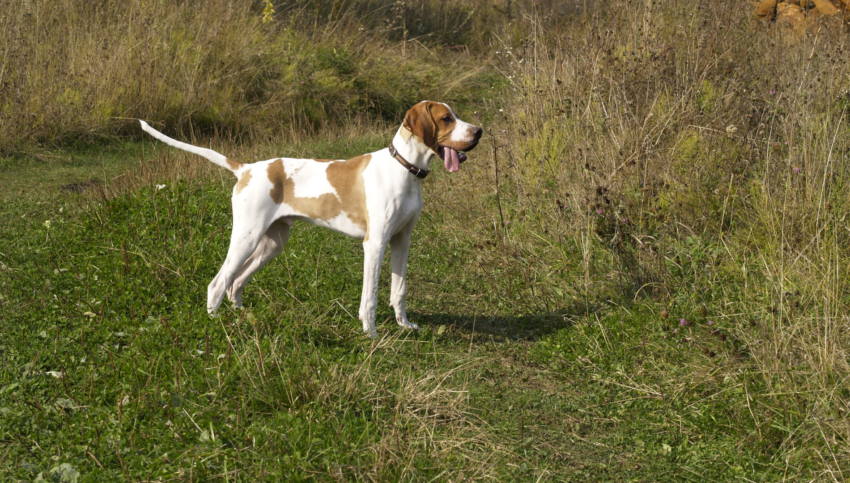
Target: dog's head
[440, 129]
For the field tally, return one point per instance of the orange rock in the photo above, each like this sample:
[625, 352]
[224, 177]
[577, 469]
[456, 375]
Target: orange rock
[765, 8]
[825, 7]
[791, 16]
[785, 9]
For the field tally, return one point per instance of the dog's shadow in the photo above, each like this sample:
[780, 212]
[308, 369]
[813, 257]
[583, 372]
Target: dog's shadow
[486, 328]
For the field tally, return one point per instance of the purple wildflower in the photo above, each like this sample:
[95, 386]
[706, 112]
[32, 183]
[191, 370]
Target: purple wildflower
[710, 322]
[599, 210]
[796, 170]
[683, 322]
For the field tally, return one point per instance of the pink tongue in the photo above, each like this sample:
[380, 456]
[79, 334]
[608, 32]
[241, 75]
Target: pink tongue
[451, 159]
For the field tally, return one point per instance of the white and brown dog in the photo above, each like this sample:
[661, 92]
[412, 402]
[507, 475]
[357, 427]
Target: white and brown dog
[376, 197]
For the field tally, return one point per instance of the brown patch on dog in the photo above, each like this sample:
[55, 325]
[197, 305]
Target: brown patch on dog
[445, 127]
[419, 121]
[234, 165]
[278, 177]
[346, 177]
[243, 181]
[433, 122]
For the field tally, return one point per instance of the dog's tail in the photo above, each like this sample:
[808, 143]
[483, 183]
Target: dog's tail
[219, 159]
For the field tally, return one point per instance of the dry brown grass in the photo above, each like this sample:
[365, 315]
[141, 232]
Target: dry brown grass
[426, 412]
[75, 70]
[708, 157]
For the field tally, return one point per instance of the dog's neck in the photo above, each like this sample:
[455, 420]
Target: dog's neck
[413, 149]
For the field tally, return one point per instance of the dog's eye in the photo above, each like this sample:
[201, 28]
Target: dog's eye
[447, 119]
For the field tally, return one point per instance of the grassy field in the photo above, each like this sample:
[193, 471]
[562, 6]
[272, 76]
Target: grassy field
[640, 275]
[111, 367]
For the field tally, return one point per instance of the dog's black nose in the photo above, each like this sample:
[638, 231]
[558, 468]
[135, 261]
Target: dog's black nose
[477, 133]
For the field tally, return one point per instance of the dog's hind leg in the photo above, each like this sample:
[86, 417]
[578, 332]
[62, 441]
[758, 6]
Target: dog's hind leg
[246, 236]
[270, 246]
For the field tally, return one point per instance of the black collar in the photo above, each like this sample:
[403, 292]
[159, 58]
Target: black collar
[418, 172]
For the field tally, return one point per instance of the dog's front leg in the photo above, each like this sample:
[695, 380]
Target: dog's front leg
[399, 249]
[373, 254]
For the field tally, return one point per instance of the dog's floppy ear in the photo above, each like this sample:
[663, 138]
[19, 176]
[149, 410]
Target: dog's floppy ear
[420, 122]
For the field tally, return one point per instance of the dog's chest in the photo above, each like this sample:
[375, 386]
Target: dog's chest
[394, 196]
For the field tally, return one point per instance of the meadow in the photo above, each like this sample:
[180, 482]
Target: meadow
[639, 275]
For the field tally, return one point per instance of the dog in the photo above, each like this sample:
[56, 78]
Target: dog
[376, 197]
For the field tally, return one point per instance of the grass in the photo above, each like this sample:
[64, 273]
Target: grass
[117, 391]
[214, 69]
[112, 368]
[72, 170]
[640, 275]
[705, 156]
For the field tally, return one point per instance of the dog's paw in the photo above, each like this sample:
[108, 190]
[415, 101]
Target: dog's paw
[373, 334]
[234, 297]
[406, 323]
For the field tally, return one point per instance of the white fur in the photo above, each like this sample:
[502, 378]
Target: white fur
[213, 156]
[310, 178]
[261, 227]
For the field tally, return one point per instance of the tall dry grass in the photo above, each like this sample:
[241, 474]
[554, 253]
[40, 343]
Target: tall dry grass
[707, 157]
[81, 70]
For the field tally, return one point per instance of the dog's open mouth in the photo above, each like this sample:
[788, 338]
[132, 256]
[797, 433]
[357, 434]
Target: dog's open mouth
[451, 158]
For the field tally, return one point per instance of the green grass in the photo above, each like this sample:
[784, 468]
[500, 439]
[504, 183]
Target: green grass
[75, 169]
[111, 365]
[123, 326]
